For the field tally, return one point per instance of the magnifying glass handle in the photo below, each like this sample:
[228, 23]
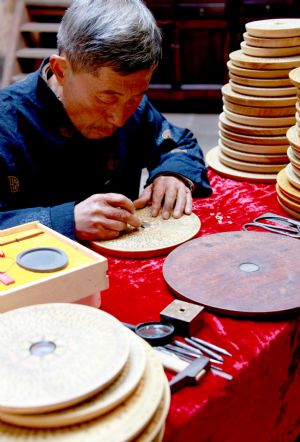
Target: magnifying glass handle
[131, 326]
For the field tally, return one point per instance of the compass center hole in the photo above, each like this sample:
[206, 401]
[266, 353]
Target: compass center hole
[42, 348]
[249, 267]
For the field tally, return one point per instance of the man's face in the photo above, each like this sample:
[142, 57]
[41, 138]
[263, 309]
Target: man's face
[99, 105]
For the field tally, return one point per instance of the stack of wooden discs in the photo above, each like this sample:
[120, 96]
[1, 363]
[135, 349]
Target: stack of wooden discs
[288, 179]
[259, 102]
[74, 373]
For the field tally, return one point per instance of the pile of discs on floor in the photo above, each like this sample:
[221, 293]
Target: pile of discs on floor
[288, 179]
[73, 373]
[259, 102]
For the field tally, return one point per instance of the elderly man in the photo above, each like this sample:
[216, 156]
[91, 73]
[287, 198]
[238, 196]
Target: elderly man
[76, 134]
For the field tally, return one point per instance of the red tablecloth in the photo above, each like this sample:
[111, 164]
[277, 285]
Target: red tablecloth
[262, 402]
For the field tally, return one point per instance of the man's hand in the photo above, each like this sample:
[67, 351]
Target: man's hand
[167, 192]
[103, 216]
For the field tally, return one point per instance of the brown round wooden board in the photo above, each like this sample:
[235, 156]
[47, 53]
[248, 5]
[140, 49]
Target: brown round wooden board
[254, 91]
[288, 210]
[291, 204]
[252, 158]
[260, 82]
[250, 62]
[254, 148]
[248, 120]
[237, 273]
[274, 28]
[271, 42]
[269, 52]
[257, 111]
[250, 167]
[248, 100]
[286, 187]
[228, 124]
[213, 160]
[255, 139]
[257, 73]
[294, 76]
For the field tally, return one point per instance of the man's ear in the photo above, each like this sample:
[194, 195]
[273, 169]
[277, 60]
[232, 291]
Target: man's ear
[59, 66]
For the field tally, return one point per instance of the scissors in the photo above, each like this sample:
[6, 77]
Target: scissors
[277, 224]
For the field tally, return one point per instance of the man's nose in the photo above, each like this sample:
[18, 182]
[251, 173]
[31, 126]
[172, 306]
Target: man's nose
[118, 116]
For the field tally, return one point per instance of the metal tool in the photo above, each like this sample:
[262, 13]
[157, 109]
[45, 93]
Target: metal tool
[209, 345]
[276, 224]
[188, 354]
[213, 354]
[190, 375]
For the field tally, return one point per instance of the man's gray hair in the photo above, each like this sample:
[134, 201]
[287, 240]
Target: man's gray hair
[120, 34]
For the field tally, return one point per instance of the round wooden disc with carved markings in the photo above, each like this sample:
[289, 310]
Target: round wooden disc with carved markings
[286, 187]
[125, 422]
[157, 237]
[288, 210]
[118, 391]
[213, 160]
[291, 204]
[294, 76]
[292, 177]
[293, 137]
[252, 139]
[48, 363]
[245, 166]
[274, 28]
[237, 273]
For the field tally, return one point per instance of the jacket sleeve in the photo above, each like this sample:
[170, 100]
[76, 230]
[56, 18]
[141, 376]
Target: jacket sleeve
[173, 151]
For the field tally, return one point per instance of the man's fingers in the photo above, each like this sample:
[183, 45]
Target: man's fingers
[144, 198]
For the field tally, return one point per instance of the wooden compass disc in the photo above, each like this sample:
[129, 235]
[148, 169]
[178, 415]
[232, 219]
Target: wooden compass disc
[274, 28]
[291, 212]
[117, 392]
[269, 52]
[237, 273]
[293, 137]
[266, 102]
[250, 157]
[264, 140]
[294, 76]
[158, 237]
[260, 82]
[250, 167]
[259, 111]
[229, 125]
[77, 365]
[259, 121]
[292, 157]
[253, 148]
[250, 62]
[124, 422]
[286, 187]
[257, 73]
[156, 426]
[285, 91]
[213, 160]
[248, 120]
[271, 42]
[291, 204]
[292, 177]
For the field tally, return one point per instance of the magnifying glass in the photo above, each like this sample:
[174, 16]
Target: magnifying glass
[155, 333]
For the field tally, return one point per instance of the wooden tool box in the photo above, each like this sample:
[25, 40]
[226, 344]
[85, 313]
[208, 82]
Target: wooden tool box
[83, 276]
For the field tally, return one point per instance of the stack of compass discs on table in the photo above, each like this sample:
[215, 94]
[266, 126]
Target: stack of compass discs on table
[74, 373]
[288, 179]
[259, 102]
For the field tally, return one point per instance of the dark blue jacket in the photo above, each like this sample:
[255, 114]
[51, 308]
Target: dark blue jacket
[46, 165]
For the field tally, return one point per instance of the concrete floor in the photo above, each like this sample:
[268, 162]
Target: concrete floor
[203, 126]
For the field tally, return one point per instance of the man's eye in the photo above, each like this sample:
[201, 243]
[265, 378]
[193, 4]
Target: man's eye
[107, 99]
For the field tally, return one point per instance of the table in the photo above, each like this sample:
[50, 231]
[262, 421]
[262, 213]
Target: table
[262, 402]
